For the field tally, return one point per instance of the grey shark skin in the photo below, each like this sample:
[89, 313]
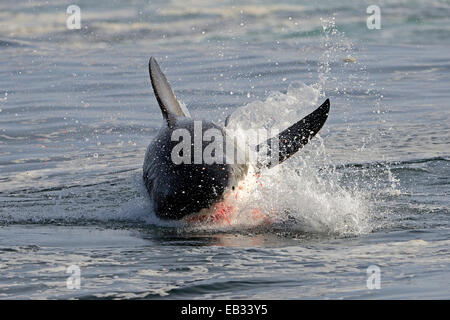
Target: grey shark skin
[178, 190]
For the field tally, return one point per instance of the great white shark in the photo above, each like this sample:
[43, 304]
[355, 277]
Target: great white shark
[204, 190]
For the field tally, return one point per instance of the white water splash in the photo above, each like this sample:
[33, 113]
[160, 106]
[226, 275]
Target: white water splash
[304, 192]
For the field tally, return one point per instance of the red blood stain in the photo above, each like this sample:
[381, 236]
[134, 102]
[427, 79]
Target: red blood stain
[220, 213]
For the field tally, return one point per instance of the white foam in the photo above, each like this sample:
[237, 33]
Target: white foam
[300, 190]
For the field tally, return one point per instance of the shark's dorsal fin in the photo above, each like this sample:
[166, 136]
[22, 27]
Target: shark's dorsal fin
[170, 107]
[289, 141]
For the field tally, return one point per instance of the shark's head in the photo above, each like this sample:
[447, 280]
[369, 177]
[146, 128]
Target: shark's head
[194, 165]
[183, 175]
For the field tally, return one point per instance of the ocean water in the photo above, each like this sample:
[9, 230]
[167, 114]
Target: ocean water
[372, 189]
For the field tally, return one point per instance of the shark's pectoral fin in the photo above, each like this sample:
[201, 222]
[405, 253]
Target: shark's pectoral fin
[170, 107]
[289, 141]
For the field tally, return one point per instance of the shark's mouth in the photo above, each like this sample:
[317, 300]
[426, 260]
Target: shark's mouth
[231, 208]
[221, 213]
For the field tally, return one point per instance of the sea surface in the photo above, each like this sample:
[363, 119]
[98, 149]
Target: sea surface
[371, 190]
